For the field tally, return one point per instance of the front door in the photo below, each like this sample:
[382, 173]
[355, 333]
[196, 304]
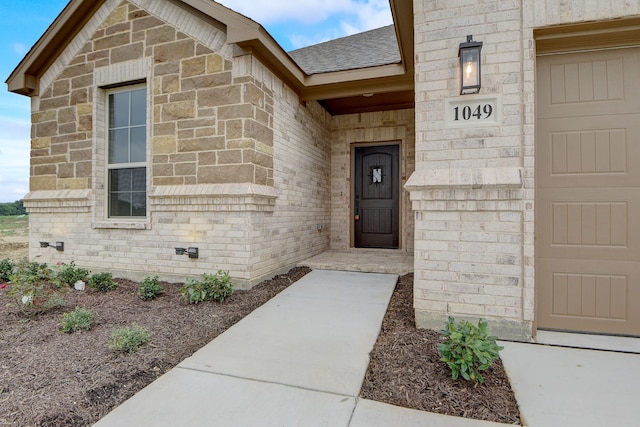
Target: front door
[376, 216]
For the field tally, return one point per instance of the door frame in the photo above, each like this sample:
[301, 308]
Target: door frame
[352, 183]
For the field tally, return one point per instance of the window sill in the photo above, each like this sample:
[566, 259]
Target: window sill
[127, 225]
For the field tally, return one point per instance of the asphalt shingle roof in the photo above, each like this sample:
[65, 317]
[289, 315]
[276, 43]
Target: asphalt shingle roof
[369, 49]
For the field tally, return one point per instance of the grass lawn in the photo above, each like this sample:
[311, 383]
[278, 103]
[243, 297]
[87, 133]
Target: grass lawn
[14, 225]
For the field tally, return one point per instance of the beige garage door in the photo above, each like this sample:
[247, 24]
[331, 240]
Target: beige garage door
[588, 192]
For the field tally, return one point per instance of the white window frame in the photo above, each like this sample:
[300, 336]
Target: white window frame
[120, 75]
[131, 165]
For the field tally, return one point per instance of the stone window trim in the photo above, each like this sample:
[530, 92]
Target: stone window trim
[130, 73]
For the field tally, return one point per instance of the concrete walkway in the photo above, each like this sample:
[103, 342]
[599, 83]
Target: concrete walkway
[559, 386]
[299, 360]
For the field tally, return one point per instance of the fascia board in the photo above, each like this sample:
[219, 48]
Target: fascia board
[24, 78]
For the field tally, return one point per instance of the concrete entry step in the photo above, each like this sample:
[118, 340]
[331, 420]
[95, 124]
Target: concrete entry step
[391, 261]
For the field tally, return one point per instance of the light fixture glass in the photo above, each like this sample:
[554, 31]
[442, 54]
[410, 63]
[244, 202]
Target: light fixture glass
[470, 66]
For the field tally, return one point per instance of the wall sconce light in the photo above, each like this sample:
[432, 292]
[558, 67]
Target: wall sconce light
[470, 75]
[59, 246]
[190, 252]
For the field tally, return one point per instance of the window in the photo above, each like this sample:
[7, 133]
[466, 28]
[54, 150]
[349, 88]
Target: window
[127, 152]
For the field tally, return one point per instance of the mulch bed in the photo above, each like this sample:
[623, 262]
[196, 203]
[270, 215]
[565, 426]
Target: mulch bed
[48, 378]
[405, 370]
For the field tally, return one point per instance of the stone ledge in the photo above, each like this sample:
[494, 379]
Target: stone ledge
[58, 201]
[474, 178]
[213, 197]
[57, 195]
[213, 190]
[125, 225]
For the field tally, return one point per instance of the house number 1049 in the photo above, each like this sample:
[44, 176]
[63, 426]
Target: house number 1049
[467, 112]
[472, 111]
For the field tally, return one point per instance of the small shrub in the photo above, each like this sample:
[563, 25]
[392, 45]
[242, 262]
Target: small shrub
[212, 287]
[32, 289]
[468, 349]
[149, 288]
[26, 271]
[193, 291]
[6, 268]
[69, 274]
[77, 320]
[129, 338]
[102, 282]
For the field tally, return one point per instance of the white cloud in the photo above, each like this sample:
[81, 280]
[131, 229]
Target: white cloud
[340, 17]
[13, 188]
[13, 128]
[369, 15]
[278, 11]
[14, 158]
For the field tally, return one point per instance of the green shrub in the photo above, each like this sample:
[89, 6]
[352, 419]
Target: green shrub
[129, 338]
[69, 274]
[212, 287]
[77, 320]
[468, 349]
[149, 288]
[32, 289]
[31, 272]
[6, 268]
[102, 282]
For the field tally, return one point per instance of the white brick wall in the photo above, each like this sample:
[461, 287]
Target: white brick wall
[389, 126]
[254, 231]
[474, 253]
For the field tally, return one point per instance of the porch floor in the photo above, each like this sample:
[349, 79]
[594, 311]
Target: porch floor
[362, 260]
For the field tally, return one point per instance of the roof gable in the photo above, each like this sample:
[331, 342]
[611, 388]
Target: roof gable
[377, 61]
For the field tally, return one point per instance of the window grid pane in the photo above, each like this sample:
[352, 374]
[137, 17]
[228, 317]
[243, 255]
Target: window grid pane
[127, 144]
[127, 192]
[119, 146]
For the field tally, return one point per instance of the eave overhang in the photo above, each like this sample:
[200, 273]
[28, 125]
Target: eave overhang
[250, 38]
[26, 76]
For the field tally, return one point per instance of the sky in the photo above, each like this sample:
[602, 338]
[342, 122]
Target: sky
[294, 24]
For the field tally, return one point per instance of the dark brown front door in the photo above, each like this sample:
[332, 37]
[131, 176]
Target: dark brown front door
[376, 197]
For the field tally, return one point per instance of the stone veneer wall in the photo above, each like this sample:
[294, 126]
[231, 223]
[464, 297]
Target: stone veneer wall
[366, 128]
[216, 178]
[473, 191]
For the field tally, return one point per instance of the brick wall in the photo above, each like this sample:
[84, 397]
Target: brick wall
[383, 127]
[237, 166]
[473, 191]
[208, 125]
